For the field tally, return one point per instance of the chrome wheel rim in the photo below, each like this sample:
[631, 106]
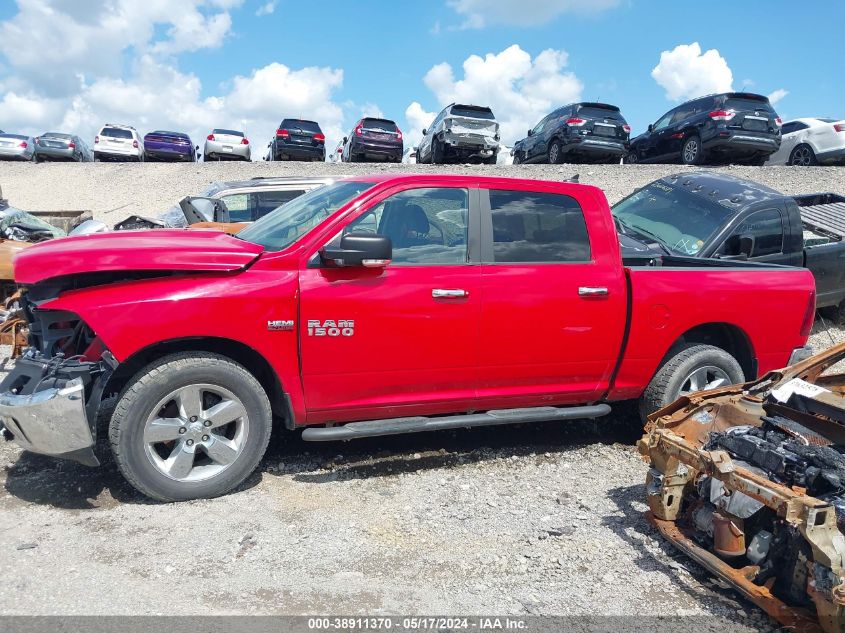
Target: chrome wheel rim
[704, 378]
[801, 157]
[196, 432]
[690, 150]
[553, 153]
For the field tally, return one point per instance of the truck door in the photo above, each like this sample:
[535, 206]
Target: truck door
[402, 339]
[554, 300]
[761, 237]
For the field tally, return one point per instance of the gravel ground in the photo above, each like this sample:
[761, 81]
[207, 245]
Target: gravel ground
[536, 519]
[115, 190]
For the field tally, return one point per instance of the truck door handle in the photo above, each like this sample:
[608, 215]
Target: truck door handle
[442, 293]
[592, 291]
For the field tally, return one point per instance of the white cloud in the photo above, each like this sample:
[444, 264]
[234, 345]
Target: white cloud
[480, 13]
[152, 92]
[777, 95]
[518, 89]
[417, 119]
[685, 72]
[266, 9]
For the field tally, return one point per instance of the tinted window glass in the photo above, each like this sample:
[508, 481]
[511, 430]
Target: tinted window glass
[766, 227]
[248, 207]
[116, 132]
[379, 124]
[426, 226]
[17, 136]
[664, 120]
[56, 135]
[478, 113]
[283, 226]
[674, 217]
[537, 227]
[747, 104]
[599, 113]
[228, 132]
[305, 126]
[828, 120]
[789, 128]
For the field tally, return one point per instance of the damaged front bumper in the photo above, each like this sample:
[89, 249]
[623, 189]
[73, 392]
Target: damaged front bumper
[749, 481]
[50, 406]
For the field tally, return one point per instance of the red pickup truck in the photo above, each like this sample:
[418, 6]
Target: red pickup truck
[373, 306]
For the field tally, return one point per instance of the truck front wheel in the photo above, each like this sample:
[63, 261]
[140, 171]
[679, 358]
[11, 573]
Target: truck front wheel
[691, 369]
[189, 426]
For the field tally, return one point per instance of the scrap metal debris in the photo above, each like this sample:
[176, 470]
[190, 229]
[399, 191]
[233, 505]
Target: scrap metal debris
[749, 482]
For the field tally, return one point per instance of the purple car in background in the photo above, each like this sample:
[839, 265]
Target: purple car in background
[169, 146]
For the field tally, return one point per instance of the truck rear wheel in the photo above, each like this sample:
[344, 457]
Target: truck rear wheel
[691, 369]
[189, 426]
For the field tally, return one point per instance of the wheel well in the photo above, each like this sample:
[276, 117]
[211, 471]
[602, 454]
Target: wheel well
[251, 360]
[725, 336]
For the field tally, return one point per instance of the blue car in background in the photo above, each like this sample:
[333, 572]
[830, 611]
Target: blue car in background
[169, 146]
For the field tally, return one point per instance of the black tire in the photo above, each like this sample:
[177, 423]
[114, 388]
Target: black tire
[555, 154]
[666, 385]
[491, 160]
[150, 386]
[438, 155]
[516, 159]
[757, 161]
[802, 156]
[631, 158]
[691, 151]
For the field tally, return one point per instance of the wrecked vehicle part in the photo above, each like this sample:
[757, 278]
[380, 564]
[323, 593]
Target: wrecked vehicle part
[749, 481]
[59, 379]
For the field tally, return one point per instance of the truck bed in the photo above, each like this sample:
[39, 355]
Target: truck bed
[823, 213]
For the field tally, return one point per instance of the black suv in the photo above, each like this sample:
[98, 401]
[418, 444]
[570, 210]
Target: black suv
[730, 127]
[576, 133]
[298, 139]
[373, 139]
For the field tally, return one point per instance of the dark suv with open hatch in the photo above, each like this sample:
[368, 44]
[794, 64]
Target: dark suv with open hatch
[733, 127]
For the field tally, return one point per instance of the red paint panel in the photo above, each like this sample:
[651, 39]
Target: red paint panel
[134, 250]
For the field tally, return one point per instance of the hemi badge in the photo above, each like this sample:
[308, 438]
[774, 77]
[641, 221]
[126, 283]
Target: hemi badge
[279, 325]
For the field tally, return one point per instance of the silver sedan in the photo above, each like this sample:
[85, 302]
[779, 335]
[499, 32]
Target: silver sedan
[226, 145]
[17, 147]
[56, 146]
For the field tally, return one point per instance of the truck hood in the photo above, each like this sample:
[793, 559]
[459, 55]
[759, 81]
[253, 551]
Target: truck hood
[154, 250]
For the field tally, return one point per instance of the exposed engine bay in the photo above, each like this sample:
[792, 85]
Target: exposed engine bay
[749, 481]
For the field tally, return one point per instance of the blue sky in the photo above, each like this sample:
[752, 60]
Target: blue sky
[75, 64]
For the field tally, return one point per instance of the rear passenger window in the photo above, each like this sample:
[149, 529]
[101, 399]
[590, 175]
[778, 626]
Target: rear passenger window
[537, 227]
[266, 201]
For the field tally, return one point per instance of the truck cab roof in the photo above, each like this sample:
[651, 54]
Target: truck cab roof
[729, 191]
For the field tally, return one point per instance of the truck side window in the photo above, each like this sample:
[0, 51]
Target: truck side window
[537, 227]
[239, 207]
[766, 229]
[427, 226]
[265, 201]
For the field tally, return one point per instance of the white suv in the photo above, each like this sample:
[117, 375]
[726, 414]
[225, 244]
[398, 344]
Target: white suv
[118, 142]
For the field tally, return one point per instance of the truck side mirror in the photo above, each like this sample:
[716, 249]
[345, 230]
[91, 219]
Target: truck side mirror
[651, 127]
[425, 131]
[369, 250]
[530, 132]
[198, 209]
[746, 245]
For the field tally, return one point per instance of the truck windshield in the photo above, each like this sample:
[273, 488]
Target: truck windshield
[281, 228]
[677, 219]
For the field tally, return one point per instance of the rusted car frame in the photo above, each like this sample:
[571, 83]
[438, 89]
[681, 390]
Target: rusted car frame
[685, 445]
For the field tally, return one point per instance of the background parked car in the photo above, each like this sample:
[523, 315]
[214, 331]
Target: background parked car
[811, 141]
[169, 146]
[460, 133]
[373, 140]
[243, 201]
[576, 133]
[17, 147]
[298, 139]
[337, 153]
[409, 156]
[224, 144]
[59, 146]
[728, 127]
[119, 143]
